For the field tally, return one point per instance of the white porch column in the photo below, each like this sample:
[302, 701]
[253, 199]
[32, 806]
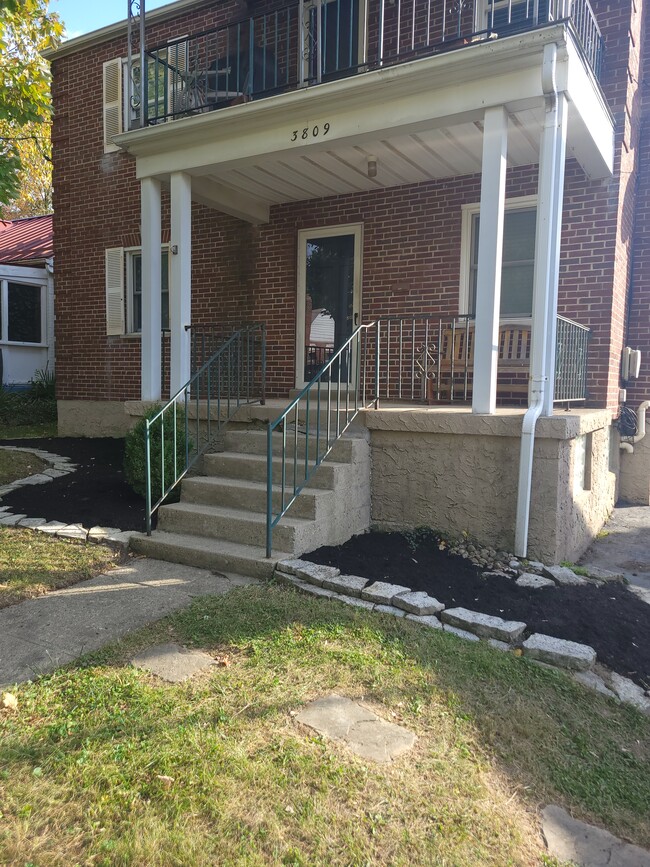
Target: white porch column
[180, 299]
[150, 224]
[490, 254]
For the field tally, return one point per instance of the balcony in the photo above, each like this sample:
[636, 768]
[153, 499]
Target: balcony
[310, 43]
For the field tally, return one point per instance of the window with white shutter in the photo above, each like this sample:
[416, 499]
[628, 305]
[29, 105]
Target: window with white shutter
[112, 102]
[115, 290]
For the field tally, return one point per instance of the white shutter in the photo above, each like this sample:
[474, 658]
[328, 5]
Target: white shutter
[112, 103]
[177, 91]
[115, 290]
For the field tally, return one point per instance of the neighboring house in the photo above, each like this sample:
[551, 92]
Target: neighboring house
[26, 299]
[471, 170]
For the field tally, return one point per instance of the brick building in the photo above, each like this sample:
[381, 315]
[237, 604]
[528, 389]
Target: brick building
[473, 171]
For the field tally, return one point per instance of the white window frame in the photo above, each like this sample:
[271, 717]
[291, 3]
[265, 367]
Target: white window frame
[129, 253]
[469, 211]
[27, 277]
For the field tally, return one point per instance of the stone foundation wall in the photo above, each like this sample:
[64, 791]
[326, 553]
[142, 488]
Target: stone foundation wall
[93, 418]
[458, 473]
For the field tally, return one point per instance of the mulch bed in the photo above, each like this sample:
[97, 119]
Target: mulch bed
[95, 494]
[609, 618]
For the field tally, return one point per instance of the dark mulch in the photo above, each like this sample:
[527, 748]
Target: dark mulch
[94, 495]
[611, 619]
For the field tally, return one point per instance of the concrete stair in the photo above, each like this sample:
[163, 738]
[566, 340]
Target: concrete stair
[220, 521]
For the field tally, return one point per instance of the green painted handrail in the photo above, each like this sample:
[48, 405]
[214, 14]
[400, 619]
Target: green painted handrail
[235, 375]
[351, 357]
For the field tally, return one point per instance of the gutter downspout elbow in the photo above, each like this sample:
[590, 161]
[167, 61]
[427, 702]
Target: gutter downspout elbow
[628, 445]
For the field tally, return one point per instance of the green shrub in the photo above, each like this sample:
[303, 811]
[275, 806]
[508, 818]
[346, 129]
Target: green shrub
[21, 407]
[135, 468]
[43, 385]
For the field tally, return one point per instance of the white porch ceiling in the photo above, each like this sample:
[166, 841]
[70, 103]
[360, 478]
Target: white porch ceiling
[403, 159]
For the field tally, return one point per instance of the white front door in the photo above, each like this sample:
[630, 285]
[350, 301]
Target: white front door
[329, 297]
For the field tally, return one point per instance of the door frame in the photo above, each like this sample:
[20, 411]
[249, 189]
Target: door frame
[355, 229]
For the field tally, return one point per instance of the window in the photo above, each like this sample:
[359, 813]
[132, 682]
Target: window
[134, 285]
[21, 312]
[518, 263]
[124, 290]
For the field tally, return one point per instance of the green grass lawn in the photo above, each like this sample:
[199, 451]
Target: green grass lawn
[28, 431]
[17, 465]
[33, 563]
[102, 764]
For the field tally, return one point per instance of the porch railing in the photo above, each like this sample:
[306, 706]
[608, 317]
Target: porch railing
[571, 350]
[185, 427]
[305, 43]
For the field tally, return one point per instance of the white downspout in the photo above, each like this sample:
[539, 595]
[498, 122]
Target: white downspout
[545, 288]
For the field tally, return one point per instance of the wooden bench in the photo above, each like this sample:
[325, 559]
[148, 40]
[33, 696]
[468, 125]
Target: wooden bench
[456, 359]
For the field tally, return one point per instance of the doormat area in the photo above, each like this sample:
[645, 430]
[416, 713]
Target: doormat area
[609, 618]
[95, 494]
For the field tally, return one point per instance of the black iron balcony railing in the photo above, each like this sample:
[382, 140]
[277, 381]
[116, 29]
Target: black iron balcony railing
[314, 41]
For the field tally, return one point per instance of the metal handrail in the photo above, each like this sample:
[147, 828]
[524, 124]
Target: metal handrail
[348, 357]
[229, 379]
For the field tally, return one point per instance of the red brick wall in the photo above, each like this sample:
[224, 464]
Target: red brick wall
[411, 250]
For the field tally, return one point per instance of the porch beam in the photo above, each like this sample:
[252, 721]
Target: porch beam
[490, 254]
[150, 226]
[180, 290]
[220, 197]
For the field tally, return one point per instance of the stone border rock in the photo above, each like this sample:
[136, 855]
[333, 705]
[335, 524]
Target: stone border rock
[504, 635]
[59, 466]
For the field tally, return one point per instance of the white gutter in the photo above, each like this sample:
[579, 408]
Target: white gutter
[547, 244]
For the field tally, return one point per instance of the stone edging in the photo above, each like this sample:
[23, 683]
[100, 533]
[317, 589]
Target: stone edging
[59, 466]
[506, 635]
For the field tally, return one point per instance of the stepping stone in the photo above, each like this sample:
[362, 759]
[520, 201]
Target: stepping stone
[171, 662]
[352, 600]
[557, 651]
[418, 603]
[496, 574]
[498, 645]
[483, 625]
[630, 693]
[365, 733]
[73, 531]
[461, 633]
[564, 576]
[426, 620]
[315, 573]
[51, 527]
[575, 842]
[350, 585]
[389, 609]
[290, 566]
[382, 593]
[37, 479]
[535, 566]
[101, 534]
[12, 520]
[529, 579]
[32, 523]
[591, 680]
[55, 474]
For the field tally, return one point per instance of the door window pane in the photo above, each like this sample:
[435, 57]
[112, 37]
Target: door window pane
[329, 301]
[24, 313]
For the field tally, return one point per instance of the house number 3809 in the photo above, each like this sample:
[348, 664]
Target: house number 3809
[310, 132]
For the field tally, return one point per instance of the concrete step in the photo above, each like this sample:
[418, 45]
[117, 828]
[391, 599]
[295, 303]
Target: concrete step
[252, 467]
[241, 494]
[255, 442]
[234, 525]
[212, 554]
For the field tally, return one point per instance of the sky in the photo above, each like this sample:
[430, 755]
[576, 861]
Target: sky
[82, 16]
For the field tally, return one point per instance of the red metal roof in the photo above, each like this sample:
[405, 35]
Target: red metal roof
[26, 240]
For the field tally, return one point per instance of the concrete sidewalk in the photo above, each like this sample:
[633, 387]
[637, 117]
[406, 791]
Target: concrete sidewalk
[624, 546]
[41, 634]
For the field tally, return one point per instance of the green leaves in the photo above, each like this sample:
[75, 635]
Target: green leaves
[26, 29]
